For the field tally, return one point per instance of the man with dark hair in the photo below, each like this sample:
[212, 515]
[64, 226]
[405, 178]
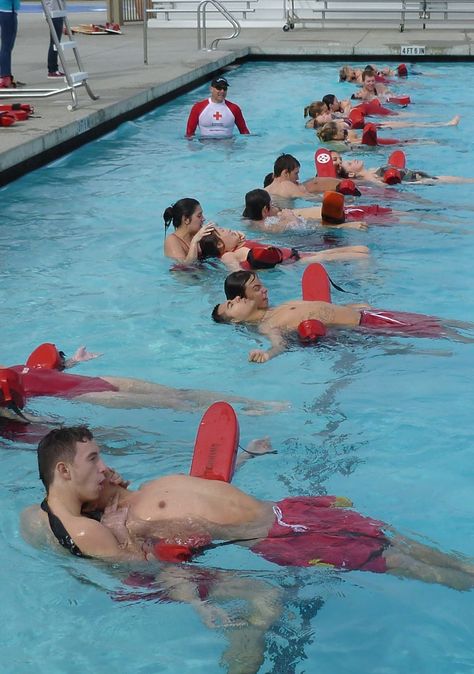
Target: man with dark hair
[283, 182]
[190, 512]
[246, 284]
[279, 322]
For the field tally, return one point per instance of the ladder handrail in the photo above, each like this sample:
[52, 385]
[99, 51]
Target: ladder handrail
[73, 80]
[201, 24]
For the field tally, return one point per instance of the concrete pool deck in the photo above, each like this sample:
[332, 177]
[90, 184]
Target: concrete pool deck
[127, 87]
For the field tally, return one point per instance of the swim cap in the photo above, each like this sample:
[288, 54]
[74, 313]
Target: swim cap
[11, 390]
[348, 187]
[332, 209]
[45, 356]
[311, 330]
[392, 176]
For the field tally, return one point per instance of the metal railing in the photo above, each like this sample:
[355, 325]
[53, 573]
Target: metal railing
[201, 24]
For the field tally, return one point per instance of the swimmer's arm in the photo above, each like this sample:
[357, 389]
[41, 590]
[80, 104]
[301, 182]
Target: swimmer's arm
[231, 261]
[278, 343]
[255, 448]
[321, 184]
[81, 356]
[311, 212]
[96, 540]
[353, 224]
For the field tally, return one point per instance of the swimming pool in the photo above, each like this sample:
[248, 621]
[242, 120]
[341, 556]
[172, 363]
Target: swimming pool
[386, 421]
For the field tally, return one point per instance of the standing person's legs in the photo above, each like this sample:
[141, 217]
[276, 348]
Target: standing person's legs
[52, 53]
[8, 30]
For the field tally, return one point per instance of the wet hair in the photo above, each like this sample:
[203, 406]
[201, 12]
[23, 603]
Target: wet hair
[327, 132]
[285, 162]
[184, 208]
[234, 285]
[368, 72]
[329, 100]
[314, 109]
[268, 179]
[343, 73]
[216, 316]
[255, 202]
[210, 246]
[59, 445]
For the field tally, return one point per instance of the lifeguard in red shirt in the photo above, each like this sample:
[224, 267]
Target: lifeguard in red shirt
[215, 116]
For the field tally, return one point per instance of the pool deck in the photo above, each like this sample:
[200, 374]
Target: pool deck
[127, 87]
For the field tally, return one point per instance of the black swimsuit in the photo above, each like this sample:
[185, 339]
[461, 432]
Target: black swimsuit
[59, 531]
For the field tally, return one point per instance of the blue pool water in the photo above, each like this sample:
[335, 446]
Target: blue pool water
[384, 420]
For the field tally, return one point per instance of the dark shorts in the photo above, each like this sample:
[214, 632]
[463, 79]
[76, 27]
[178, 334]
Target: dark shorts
[308, 534]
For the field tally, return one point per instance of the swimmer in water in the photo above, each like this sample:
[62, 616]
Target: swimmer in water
[284, 181]
[24, 382]
[280, 322]
[267, 217]
[194, 512]
[237, 252]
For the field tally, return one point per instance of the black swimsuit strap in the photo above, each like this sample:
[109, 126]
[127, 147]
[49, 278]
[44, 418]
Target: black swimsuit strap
[59, 531]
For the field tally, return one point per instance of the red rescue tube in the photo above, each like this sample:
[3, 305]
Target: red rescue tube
[392, 176]
[357, 119]
[315, 284]
[397, 159]
[311, 330]
[348, 186]
[358, 212]
[375, 107]
[399, 100]
[46, 356]
[402, 70]
[11, 389]
[324, 164]
[7, 119]
[369, 137]
[216, 445]
[14, 107]
[171, 552]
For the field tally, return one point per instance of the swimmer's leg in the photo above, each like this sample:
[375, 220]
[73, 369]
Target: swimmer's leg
[407, 567]
[429, 555]
[409, 559]
[135, 393]
[334, 254]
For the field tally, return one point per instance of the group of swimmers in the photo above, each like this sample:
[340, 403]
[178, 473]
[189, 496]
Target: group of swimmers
[90, 511]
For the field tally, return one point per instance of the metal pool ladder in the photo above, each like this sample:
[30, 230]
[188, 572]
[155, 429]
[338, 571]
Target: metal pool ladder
[201, 24]
[73, 79]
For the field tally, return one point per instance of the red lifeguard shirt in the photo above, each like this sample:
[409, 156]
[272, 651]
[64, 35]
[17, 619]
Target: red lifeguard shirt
[215, 120]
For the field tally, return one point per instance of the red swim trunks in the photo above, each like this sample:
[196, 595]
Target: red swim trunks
[405, 322]
[306, 533]
[41, 382]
